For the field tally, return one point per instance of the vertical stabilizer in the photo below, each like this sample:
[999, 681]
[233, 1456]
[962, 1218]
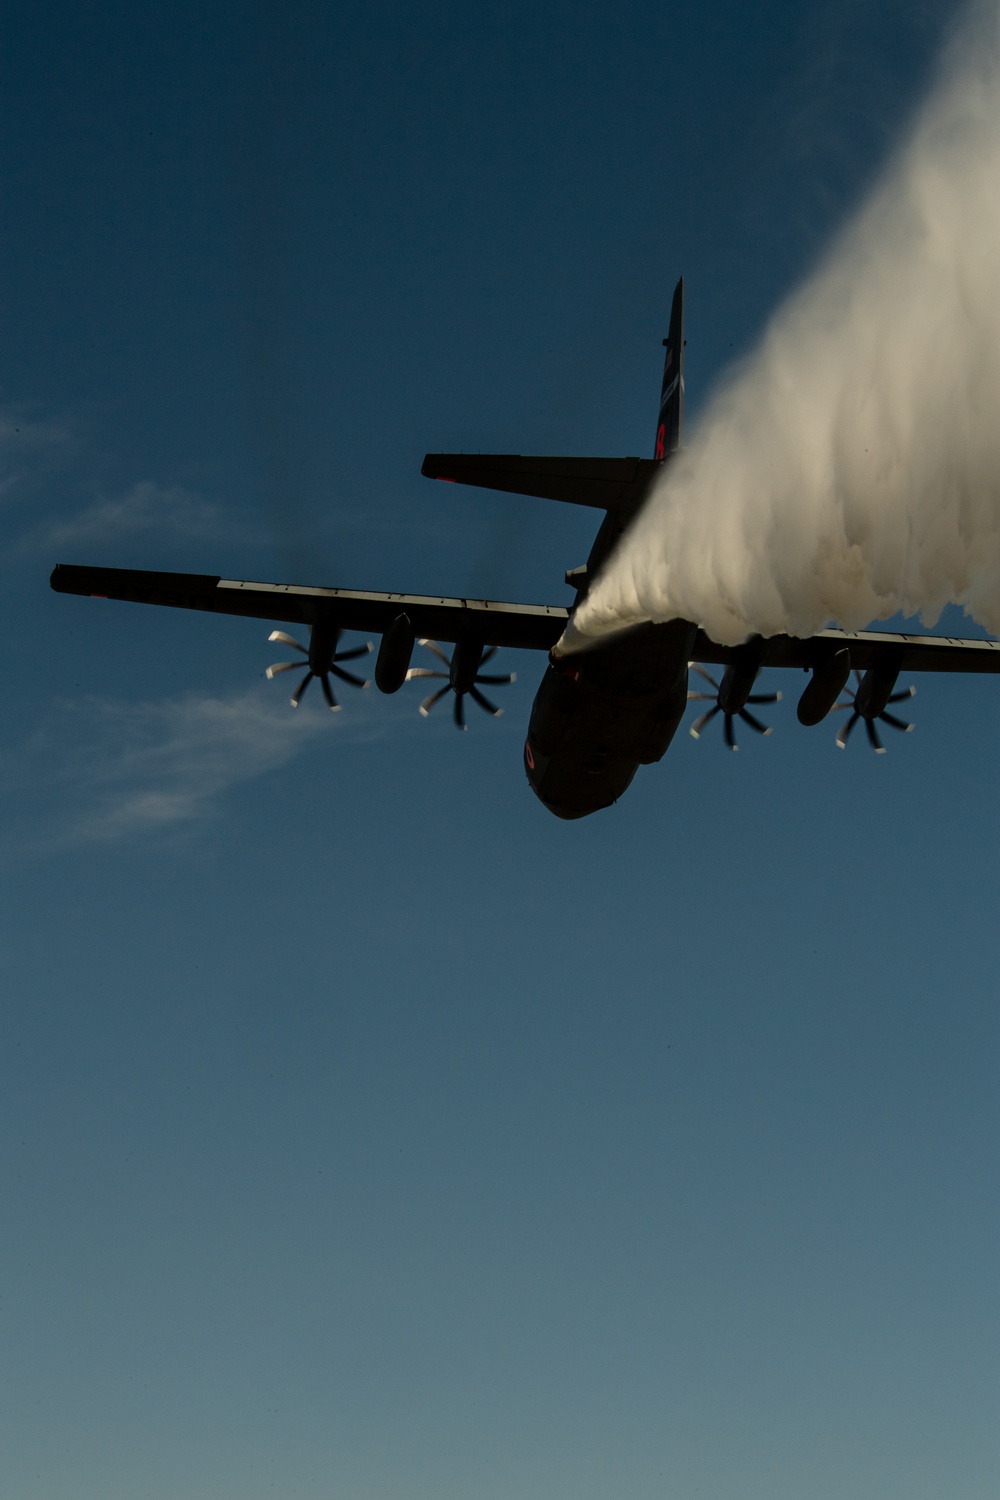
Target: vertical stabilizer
[670, 424]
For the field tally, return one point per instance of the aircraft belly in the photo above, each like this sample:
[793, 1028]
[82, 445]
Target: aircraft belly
[594, 724]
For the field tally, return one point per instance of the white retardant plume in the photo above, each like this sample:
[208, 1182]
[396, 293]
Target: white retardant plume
[849, 470]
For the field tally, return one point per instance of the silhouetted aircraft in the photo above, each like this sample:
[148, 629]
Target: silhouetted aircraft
[601, 713]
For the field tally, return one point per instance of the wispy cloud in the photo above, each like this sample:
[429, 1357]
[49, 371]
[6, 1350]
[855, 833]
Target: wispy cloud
[147, 509]
[20, 431]
[115, 770]
[27, 441]
[34, 448]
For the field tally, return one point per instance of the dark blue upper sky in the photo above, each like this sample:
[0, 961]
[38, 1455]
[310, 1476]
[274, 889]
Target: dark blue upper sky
[367, 1132]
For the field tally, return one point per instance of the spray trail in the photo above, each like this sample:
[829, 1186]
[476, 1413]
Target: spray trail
[850, 469]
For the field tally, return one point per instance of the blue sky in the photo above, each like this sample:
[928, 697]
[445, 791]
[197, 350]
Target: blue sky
[367, 1132]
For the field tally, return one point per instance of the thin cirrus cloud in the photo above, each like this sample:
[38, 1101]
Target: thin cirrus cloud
[115, 770]
[29, 445]
[147, 509]
[32, 447]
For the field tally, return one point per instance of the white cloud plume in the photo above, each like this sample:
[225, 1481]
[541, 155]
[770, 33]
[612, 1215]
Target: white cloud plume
[850, 470]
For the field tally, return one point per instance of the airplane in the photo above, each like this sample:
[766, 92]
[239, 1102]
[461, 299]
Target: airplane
[600, 713]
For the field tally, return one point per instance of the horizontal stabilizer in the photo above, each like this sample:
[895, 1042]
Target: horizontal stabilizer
[605, 483]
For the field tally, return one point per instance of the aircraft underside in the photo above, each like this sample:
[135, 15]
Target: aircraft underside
[600, 715]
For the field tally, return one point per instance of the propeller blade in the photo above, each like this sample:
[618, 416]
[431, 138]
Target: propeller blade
[425, 672]
[842, 736]
[301, 689]
[699, 724]
[702, 697]
[764, 698]
[460, 711]
[910, 692]
[839, 707]
[486, 656]
[728, 732]
[486, 677]
[287, 640]
[896, 723]
[694, 667]
[433, 646]
[324, 683]
[355, 653]
[873, 738]
[748, 718]
[283, 666]
[485, 703]
[429, 703]
[348, 677]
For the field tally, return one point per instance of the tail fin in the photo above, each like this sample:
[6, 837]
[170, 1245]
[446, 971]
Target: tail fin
[670, 425]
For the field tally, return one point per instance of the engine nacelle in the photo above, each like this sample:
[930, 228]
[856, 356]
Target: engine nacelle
[875, 691]
[828, 681]
[465, 662]
[740, 677]
[394, 655]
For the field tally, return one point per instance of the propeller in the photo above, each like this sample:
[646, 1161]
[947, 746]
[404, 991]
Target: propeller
[321, 658]
[731, 709]
[461, 677]
[870, 704]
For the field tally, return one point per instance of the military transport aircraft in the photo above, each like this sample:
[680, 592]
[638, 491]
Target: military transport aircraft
[598, 714]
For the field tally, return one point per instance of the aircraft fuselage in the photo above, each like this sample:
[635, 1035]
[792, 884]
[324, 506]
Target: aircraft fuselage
[601, 714]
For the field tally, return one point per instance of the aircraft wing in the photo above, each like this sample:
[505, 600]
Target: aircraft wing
[868, 648]
[532, 626]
